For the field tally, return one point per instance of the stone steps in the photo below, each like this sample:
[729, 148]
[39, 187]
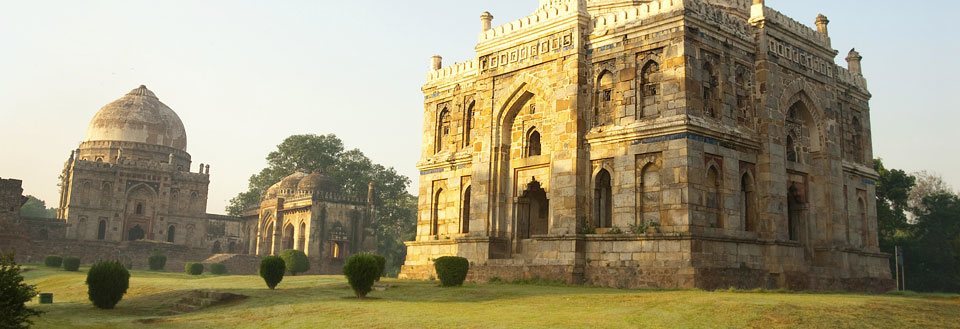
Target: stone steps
[197, 300]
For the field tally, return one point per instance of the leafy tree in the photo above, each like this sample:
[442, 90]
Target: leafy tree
[107, 282]
[893, 191]
[361, 271]
[352, 171]
[271, 270]
[14, 295]
[37, 208]
[927, 184]
[931, 256]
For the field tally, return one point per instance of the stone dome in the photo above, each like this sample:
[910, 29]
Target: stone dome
[139, 117]
[291, 182]
[316, 182]
[272, 191]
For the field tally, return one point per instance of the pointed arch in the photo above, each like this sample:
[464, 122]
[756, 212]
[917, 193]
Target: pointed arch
[864, 226]
[436, 212]
[171, 233]
[443, 125]
[102, 230]
[650, 193]
[713, 197]
[465, 212]
[286, 238]
[603, 199]
[711, 95]
[302, 237]
[533, 146]
[604, 98]
[748, 203]
[468, 124]
[649, 89]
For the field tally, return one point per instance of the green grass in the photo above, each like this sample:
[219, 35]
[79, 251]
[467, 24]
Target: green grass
[325, 302]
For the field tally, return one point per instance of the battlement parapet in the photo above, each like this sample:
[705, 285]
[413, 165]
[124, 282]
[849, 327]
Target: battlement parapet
[603, 24]
[549, 10]
[795, 27]
[454, 71]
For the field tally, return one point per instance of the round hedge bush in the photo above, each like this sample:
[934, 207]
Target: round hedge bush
[71, 264]
[53, 261]
[451, 270]
[271, 270]
[361, 271]
[296, 261]
[193, 268]
[157, 262]
[107, 282]
[218, 269]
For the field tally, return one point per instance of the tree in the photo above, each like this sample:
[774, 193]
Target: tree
[927, 184]
[37, 208]
[352, 171]
[295, 260]
[893, 191]
[14, 295]
[931, 256]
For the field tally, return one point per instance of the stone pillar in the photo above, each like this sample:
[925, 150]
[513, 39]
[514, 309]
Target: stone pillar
[822, 23]
[853, 62]
[207, 169]
[486, 21]
[437, 62]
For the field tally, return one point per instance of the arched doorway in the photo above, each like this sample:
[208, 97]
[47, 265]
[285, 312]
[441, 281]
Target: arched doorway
[266, 236]
[465, 215]
[102, 230]
[602, 199]
[135, 233]
[302, 237]
[747, 203]
[533, 209]
[287, 237]
[171, 233]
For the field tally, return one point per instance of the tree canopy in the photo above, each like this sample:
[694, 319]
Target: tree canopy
[37, 208]
[352, 171]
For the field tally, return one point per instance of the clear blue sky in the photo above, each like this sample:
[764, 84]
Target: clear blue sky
[245, 74]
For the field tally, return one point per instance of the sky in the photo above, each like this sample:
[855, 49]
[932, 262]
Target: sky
[243, 75]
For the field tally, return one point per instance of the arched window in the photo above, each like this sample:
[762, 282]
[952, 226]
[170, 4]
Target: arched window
[791, 150]
[747, 203]
[139, 209]
[710, 84]
[713, 198]
[336, 253]
[743, 91]
[465, 215]
[435, 214]
[604, 98]
[216, 249]
[102, 230]
[287, 237]
[650, 193]
[171, 233]
[267, 237]
[302, 238]
[602, 199]
[649, 89]
[468, 125]
[533, 143]
[443, 130]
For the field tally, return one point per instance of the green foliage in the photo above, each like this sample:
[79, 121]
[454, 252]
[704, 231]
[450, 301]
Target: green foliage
[452, 270]
[107, 282]
[615, 230]
[218, 268]
[643, 227]
[37, 208]
[381, 264]
[361, 270]
[352, 171]
[295, 260]
[53, 261]
[193, 268]
[893, 191]
[931, 259]
[14, 295]
[271, 270]
[157, 261]
[71, 264]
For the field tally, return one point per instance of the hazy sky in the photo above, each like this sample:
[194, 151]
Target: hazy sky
[243, 75]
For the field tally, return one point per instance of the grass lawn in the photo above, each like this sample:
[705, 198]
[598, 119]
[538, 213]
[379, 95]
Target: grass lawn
[324, 302]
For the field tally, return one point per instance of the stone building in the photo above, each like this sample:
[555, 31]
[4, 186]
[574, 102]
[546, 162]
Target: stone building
[308, 212]
[11, 199]
[651, 143]
[131, 179]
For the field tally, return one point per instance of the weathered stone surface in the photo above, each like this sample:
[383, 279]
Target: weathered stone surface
[722, 124]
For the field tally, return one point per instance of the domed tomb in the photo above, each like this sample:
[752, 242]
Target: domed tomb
[139, 117]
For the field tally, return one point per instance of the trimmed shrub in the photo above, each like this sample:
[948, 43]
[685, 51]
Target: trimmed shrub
[193, 268]
[71, 264]
[218, 269]
[107, 282]
[14, 295]
[53, 261]
[296, 261]
[451, 270]
[157, 262]
[382, 264]
[271, 270]
[361, 271]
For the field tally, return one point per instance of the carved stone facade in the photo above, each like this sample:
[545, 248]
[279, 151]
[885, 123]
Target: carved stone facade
[130, 180]
[307, 212]
[669, 143]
